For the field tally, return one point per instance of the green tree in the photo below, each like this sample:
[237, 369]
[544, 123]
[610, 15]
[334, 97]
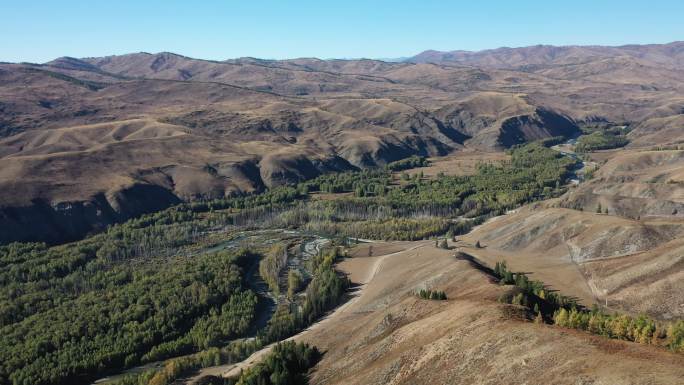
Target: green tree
[294, 281]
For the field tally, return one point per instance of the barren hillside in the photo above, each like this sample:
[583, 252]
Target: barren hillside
[387, 335]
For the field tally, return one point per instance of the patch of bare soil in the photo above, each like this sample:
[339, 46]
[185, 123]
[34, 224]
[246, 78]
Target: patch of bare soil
[459, 163]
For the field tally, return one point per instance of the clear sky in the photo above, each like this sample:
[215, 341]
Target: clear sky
[38, 31]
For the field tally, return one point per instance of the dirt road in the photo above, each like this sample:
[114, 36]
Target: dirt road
[360, 270]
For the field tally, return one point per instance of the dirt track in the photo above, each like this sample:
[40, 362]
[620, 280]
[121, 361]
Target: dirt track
[360, 271]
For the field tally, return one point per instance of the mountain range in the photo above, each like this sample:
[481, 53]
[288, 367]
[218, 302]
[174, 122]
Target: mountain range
[87, 142]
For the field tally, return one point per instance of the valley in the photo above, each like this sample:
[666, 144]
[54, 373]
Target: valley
[476, 218]
[142, 132]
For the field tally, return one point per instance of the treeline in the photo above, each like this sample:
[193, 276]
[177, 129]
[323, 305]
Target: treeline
[286, 364]
[75, 324]
[432, 294]
[563, 311]
[408, 163]
[641, 329]
[421, 208]
[175, 368]
[552, 141]
[130, 294]
[532, 294]
[534, 173]
[392, 229]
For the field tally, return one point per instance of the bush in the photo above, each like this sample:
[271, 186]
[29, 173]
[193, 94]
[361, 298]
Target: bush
[432, 295]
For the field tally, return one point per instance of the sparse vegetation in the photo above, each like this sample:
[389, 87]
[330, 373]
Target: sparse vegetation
[563, 311]
[443, 244]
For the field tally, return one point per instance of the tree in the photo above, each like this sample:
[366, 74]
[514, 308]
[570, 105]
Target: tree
[560, 318]
[444, 244]
[294, 281]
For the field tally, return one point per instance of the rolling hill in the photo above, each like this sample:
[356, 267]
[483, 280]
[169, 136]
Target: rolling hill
[79, 137]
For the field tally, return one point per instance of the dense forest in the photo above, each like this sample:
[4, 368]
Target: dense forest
[66, 325]
[325, 291]
[601, 140]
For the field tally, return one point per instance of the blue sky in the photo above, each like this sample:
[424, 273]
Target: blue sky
[38, 31]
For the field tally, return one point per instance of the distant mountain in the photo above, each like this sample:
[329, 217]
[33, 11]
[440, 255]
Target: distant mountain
[670, 55]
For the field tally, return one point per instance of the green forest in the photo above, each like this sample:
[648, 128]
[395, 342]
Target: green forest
[72, 323]
[600, 140]
[325, 291]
